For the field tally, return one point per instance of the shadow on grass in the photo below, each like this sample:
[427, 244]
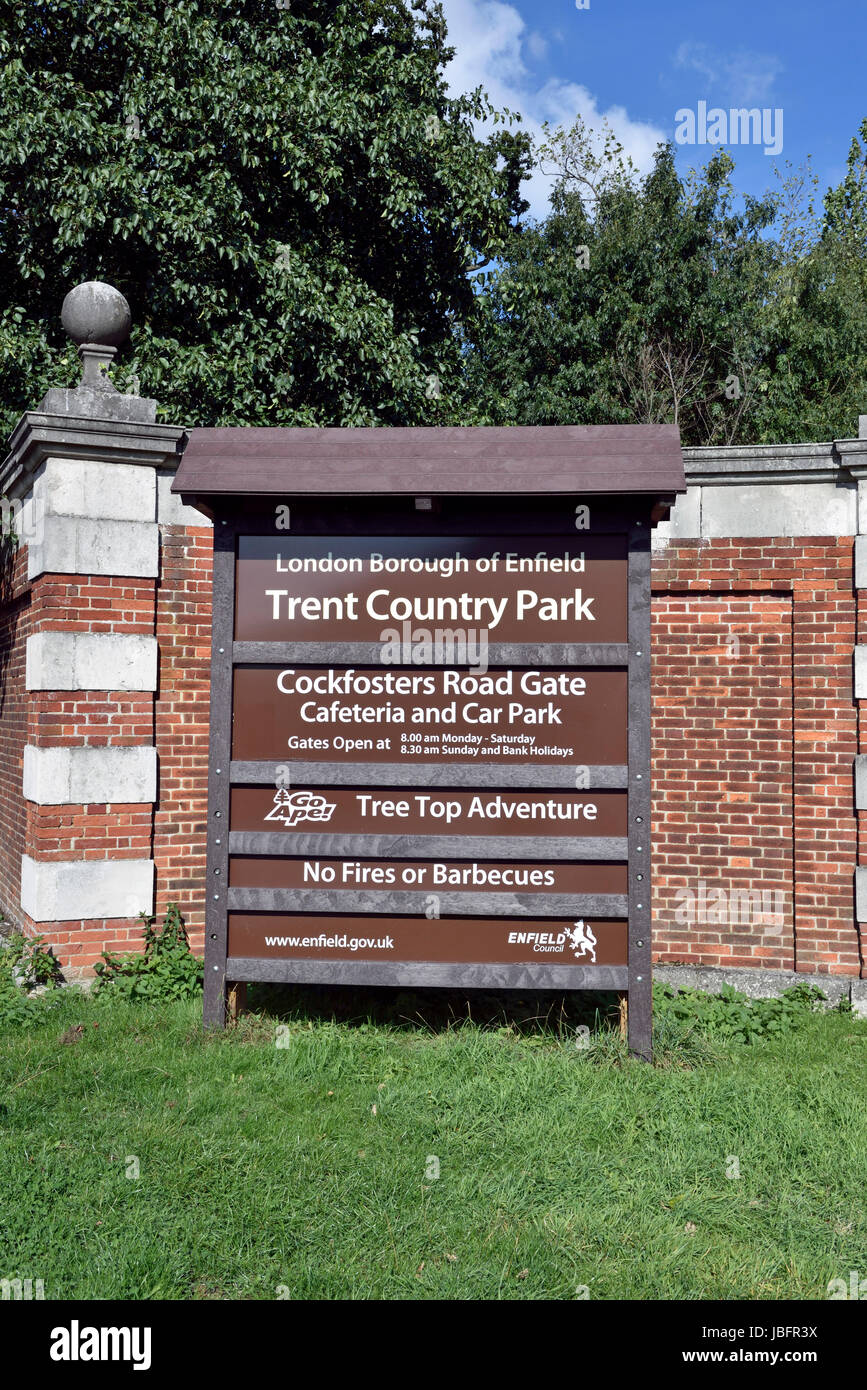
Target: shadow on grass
[437, 1010]
[534, 1017]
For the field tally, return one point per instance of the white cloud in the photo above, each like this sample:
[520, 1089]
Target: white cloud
[491, 40]
[537, 44]
[691, 54]
[741, 78]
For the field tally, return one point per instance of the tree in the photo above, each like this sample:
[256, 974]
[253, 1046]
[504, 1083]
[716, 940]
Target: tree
[654, 299]
[635, 300]
[816, 313]
[283, 191]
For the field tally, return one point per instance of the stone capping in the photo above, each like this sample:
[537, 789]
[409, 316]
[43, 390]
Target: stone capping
[39, 436]
[853, 456]
[42, 434]
[730, 464]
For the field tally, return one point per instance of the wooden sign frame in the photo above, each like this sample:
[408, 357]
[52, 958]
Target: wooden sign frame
[410, 518]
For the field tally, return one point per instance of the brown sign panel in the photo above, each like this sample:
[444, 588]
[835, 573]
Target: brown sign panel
[519, 635]
[336, 811]
[391, 590]
[464, 939]
[260, 871]
[371, 714]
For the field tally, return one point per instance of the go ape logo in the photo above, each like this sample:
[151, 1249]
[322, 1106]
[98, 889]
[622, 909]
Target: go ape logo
[713, 905]
[291, 808]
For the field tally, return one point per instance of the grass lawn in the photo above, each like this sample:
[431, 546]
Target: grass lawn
[308, 1170]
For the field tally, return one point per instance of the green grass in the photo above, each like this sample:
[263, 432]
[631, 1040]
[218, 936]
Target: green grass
[265, 1166]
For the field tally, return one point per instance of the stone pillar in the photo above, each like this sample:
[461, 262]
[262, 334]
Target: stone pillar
[82, 480]
[854, 453]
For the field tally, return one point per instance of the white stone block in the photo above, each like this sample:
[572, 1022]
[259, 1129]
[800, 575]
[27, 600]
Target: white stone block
[779, 509]
[684, 520]
[30, 520]
[171, 511]
[81, 776]
[861, 895]
[861, 562]
[74, 890]
[96, 490]
[72, 545]
[861, 673]
[21, 517]
[91, 661]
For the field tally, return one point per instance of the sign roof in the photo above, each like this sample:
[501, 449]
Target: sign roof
[255, 461]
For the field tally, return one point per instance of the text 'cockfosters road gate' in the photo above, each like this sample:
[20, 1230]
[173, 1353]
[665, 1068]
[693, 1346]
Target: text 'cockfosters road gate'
[430, 747]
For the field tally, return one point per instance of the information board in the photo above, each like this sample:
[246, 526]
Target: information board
[430, 749]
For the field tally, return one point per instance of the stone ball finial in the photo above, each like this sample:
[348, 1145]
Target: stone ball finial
[94, 312]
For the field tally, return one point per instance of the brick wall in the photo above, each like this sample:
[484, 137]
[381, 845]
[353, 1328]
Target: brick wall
[182, 708]
[14, 628]
[755, 730]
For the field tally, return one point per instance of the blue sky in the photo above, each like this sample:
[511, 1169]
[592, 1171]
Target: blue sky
[639, 63]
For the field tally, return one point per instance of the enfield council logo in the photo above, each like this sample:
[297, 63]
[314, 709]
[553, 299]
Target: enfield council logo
[294, 807]
[579, 935]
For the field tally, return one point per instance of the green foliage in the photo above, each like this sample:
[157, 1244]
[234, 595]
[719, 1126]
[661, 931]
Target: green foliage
[656, 301]
[677, 1043]
[633, 301]
[816, 316]
[25, 966]
[286, 195]
[731, 1016]
[164, 971]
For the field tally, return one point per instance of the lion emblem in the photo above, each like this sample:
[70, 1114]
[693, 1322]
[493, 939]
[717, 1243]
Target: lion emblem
[582, 940]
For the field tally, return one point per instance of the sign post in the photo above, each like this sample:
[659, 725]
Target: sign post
[430, 707]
